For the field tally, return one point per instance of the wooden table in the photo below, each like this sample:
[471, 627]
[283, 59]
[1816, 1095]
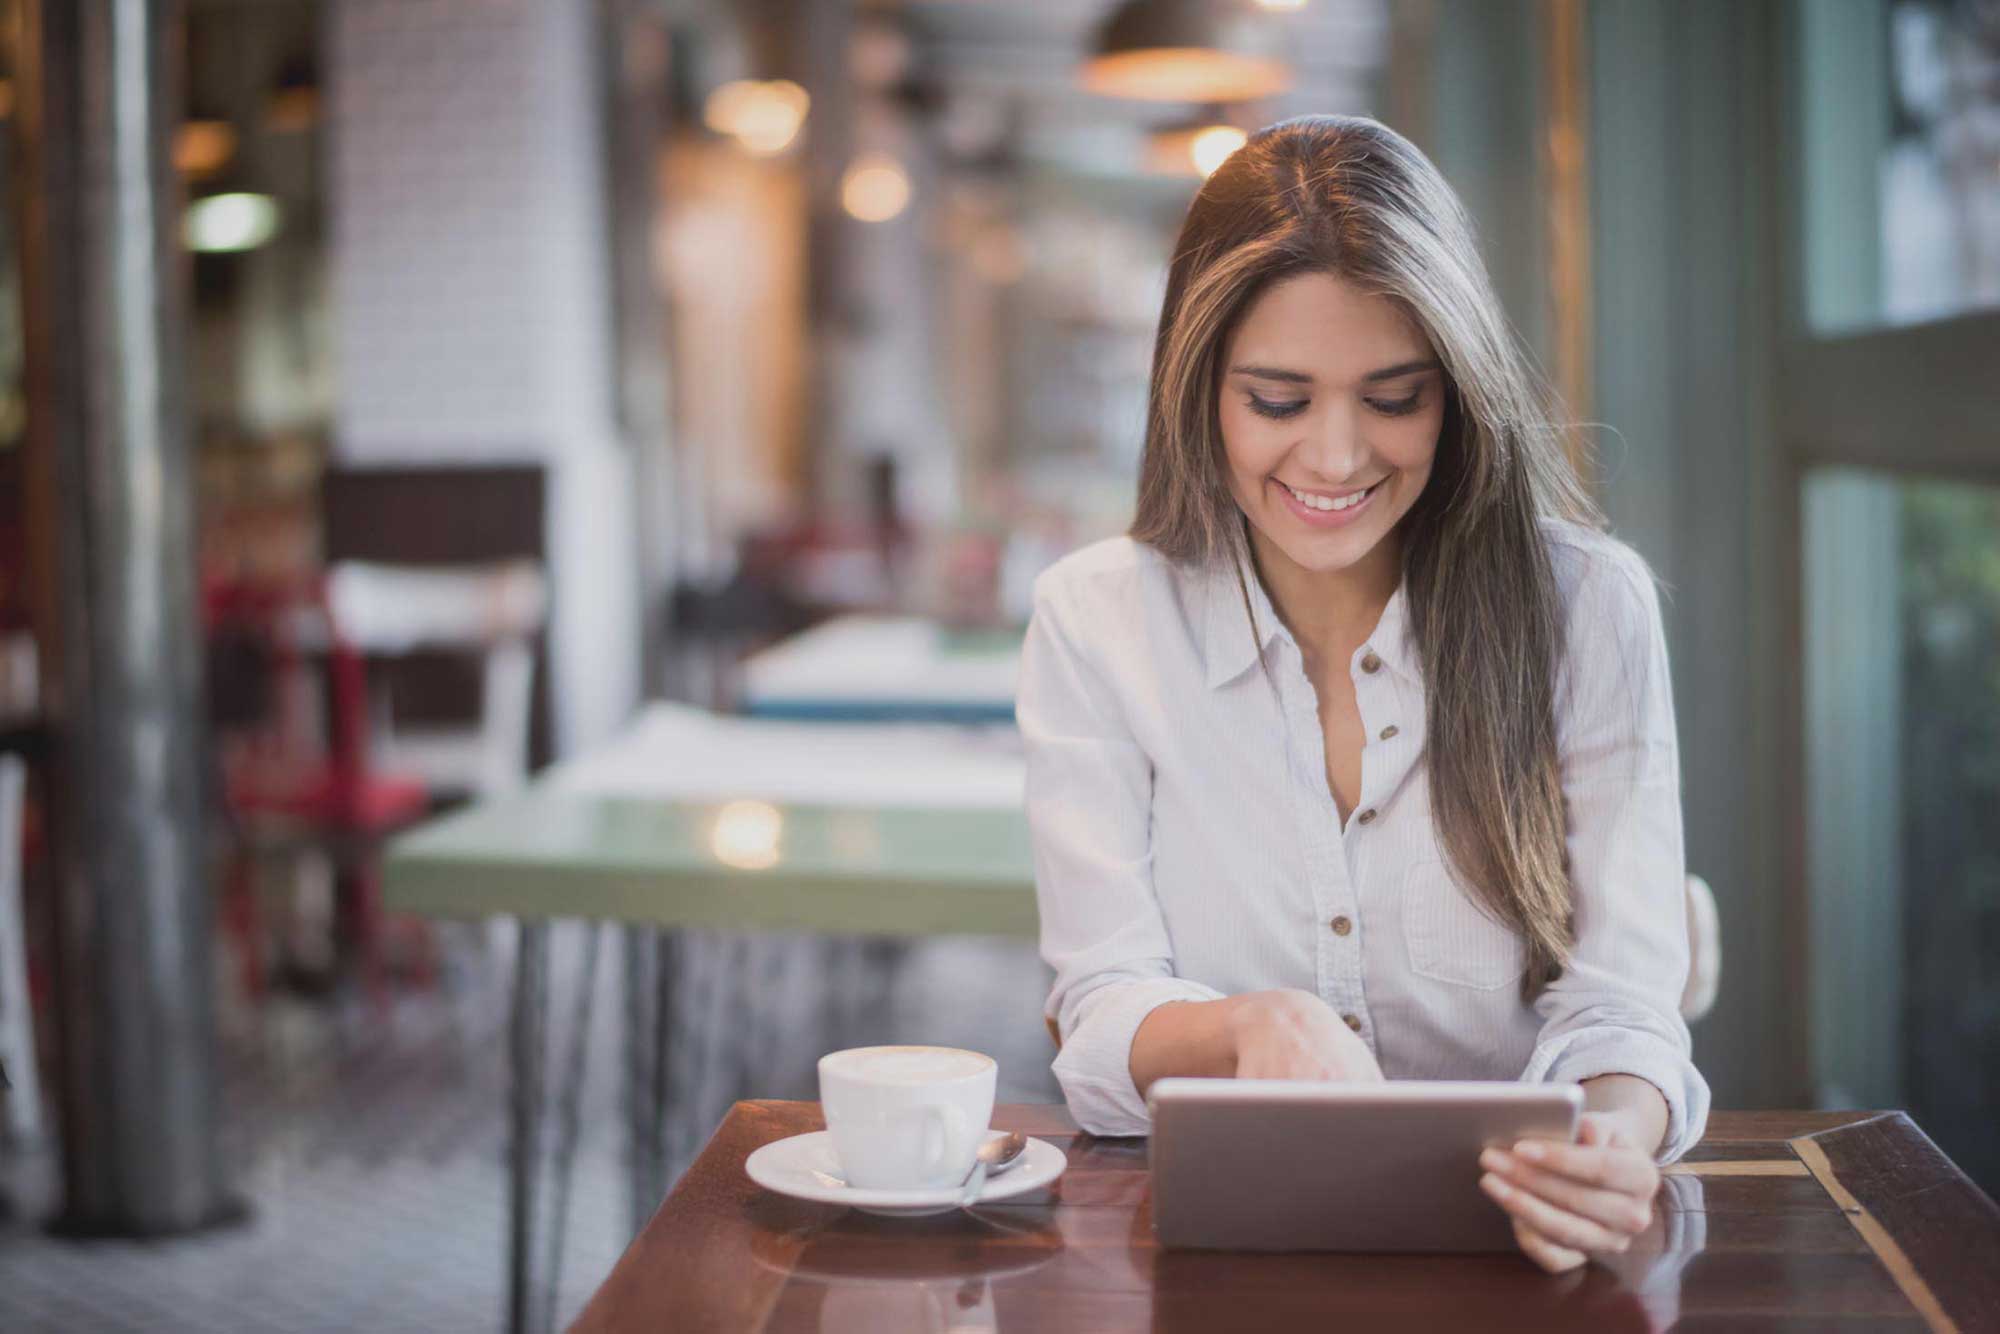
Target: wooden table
[1795, 1220]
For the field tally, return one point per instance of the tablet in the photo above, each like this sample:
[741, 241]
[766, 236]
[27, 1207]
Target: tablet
[1283, 1165]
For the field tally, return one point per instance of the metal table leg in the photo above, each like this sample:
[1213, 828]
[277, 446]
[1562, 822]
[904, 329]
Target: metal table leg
[642, 1050]
[530, 1024]
[666, 973]
[569, 1107]
[651, 973]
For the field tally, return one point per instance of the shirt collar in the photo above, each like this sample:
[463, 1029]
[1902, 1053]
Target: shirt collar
[1229, 648]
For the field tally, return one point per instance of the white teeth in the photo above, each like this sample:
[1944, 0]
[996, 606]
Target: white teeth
[1324, 503]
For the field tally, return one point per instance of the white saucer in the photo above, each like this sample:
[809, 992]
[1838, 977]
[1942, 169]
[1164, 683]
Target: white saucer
[806, 1168]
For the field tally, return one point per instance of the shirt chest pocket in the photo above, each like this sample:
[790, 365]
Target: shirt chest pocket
[1450, 938]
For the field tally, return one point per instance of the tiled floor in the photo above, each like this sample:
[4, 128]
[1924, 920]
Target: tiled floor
[372, 1154]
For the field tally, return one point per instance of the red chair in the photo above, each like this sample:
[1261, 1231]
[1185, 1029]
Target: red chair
[282, 786]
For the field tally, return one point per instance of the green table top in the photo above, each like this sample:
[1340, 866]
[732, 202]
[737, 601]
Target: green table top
[740, 865]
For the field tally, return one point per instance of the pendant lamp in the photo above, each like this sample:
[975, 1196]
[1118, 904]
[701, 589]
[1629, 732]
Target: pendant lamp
[1186, 51]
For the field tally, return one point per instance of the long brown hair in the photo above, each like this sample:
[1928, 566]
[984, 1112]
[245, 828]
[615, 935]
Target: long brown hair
[1347, 196]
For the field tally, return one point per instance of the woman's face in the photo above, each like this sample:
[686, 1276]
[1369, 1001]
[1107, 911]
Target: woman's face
[1328, 393]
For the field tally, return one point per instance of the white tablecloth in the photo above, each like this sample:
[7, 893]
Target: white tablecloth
[879, 659]
[677, 752]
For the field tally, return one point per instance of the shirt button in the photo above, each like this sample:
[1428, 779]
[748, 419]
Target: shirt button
[1353, 1021]
[1366, 816]
[1371, 664]
[1341, 926]
[1389, 731]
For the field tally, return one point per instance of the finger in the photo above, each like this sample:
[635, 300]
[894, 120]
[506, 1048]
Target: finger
[1558, 1225]
[1625, 1214]
[1551, 1257]
[1625, 1170]
[1284, 1067]
[1553, 1222]
[1363, 1072]
[1546, 1254]
[1255, 1069]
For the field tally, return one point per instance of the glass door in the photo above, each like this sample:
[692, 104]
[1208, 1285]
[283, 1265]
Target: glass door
[1888, 404]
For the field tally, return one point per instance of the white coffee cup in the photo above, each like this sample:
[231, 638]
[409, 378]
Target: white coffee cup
[906, 1118]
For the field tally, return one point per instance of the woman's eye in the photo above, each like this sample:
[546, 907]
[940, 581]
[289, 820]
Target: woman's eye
[1400, 407]
[1275, 410]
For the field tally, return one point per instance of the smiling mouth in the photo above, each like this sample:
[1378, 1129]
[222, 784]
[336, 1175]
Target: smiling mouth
[1331, 506]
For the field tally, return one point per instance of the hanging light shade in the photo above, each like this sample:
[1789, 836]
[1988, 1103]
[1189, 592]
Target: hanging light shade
[1185, 51]
[203, 147]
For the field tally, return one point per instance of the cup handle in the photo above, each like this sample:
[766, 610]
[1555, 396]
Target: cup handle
[942, 1125]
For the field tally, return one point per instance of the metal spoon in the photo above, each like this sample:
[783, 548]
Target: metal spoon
[995, 1155]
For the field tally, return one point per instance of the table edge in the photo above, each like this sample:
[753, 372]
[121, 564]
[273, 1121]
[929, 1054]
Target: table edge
[1944, 1253]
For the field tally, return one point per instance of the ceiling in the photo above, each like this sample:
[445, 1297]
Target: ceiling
[1015, 62]
[1028, 50]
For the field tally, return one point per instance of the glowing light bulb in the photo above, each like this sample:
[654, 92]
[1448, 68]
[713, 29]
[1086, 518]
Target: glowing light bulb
[225, 224]
[763, 115]
[1212, 147]
[746, 834]
[875, 188]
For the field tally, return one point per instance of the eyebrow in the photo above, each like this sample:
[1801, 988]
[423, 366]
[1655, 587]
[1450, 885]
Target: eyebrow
[1300, 377]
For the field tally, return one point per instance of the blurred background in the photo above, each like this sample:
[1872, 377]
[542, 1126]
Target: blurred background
[625, 432]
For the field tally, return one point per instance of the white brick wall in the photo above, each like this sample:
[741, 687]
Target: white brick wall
[470, 290]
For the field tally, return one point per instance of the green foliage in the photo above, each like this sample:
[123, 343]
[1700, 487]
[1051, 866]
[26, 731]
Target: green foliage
[1950, 802]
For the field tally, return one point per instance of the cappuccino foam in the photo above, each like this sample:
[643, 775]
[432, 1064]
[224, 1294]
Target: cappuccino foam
[907, 1065]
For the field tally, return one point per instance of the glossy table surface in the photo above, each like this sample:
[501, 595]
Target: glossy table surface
[690, 818]
[1777, 1220]
[744, 865]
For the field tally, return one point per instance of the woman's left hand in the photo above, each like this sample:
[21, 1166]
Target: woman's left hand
[1571, 1201]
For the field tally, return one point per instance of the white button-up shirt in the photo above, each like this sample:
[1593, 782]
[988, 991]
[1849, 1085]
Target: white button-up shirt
[1187, 846]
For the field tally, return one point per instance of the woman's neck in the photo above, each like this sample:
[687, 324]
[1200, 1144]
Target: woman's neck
[1331, 612]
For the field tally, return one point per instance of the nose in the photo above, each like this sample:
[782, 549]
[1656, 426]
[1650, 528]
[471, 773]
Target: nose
[1333, 449]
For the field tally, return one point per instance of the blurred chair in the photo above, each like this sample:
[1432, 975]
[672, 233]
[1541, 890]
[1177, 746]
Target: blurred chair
[20, 1085]
[711, 627]
[360, 780]
[296, 774]
[455, 518]
[493, 612]
[1704, 951]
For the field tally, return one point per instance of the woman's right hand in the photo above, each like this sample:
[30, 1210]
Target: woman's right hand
[1292, 1034]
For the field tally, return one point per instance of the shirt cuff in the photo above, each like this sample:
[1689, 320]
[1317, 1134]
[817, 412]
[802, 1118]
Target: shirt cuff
[1586, 1053]
[1094, 1066]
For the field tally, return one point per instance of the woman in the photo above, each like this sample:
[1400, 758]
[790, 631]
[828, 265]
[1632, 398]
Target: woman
[1356, 755]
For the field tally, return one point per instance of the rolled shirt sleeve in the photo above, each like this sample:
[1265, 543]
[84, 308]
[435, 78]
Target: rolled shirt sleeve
[1089, 804]
[1615, 1008]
